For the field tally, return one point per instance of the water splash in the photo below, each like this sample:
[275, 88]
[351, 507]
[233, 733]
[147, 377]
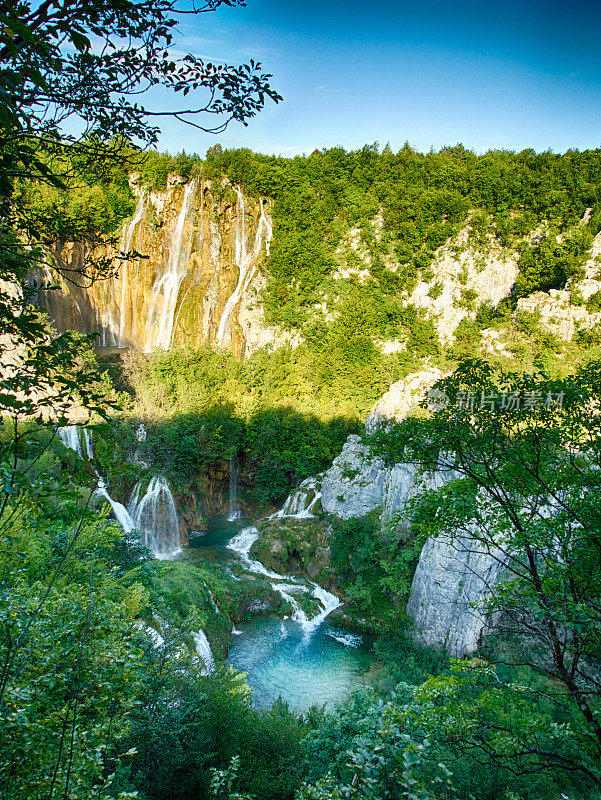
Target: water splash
[245, 261]
[235, 512]
[155, 517]
[159, 324]
[203, 648]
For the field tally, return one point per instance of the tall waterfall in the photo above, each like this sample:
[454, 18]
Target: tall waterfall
[234, 511]
[125, 247]
[159, 324]
[155, 517]
[288, 587]
[244, 260]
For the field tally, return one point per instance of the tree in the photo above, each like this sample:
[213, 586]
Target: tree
[527, 453]
[71, 78]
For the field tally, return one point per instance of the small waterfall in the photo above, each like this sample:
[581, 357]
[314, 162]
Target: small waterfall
[285, 585]
[303, 501]
[159, 324]
[122, 515]
[245, 261]
[155, 517]
[235, 512]
[241, 544]
[79, 439]
[203, 648]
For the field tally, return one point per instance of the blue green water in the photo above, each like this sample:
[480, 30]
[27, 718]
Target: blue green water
[278, 657]
[280, 661]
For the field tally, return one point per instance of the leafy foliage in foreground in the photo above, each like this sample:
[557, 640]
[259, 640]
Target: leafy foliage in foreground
[527, 451]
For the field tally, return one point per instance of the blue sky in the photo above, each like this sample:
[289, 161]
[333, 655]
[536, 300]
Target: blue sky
[490, 75]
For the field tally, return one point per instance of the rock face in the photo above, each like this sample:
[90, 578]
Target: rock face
[453, 577]
[557, 314]
[197, 279]
[354, 484]
[448, 595]
[357, 482]
[460, 271]
[401, 398]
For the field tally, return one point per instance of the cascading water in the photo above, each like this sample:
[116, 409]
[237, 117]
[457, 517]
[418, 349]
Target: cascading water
[234, 512]
[285, 585]
[155, 517]
[80, 439]
[125, 247]
[303, 501]
[159, 324]
[121, 513]
[245, 261]
[203, 648]
[299, 659]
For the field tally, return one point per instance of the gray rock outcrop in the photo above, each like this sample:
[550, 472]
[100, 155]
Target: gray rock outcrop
[354, 484]
[453, 579]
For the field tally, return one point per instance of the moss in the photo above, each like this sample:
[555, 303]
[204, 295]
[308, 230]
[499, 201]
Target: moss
[297, 547]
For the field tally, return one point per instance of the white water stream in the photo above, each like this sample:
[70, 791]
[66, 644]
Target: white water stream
[245, 261]
[234, 510]
[159, 323]
[203, 648]
[287, 586]
[302, 502]
[154, 515]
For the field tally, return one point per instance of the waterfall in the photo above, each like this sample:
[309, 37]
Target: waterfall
[124, 248]
[285, 585]
[245, 261]
[122, 515]
[72, 437]
[235, 512]
[203, 648]
[301, 503]
[159, 324]
[155, 517]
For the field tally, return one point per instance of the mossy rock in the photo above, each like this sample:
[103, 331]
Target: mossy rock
[295, 547]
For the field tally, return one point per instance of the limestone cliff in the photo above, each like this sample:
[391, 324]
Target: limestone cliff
[453, 577]
[195, 279]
